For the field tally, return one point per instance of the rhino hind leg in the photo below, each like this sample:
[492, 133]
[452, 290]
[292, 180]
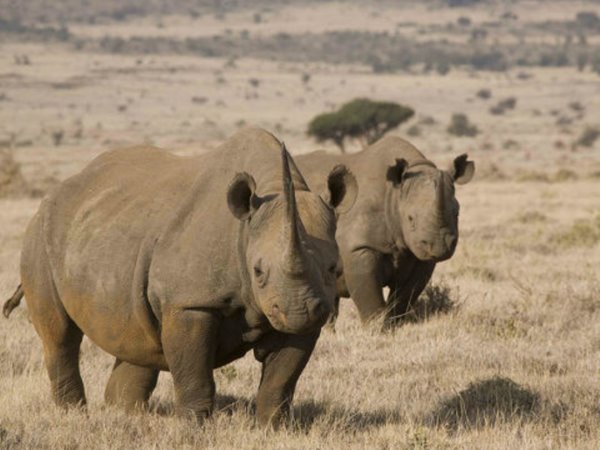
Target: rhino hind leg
[61, 355]
[61, 339]
[130, 386]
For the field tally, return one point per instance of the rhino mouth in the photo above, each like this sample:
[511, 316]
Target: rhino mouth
[304, 320]
[427, 255]
[436, 250]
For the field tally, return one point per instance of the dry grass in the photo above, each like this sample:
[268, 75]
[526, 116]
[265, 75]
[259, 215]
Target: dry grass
[515, 365]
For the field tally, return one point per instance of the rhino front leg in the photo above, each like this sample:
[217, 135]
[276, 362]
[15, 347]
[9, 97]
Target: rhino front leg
[363, 274]
[404, 291]
[281, 369]
[189, 338]
[130, 386]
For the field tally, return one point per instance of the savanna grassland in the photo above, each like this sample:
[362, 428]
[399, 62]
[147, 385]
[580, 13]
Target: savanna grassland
[513, 361]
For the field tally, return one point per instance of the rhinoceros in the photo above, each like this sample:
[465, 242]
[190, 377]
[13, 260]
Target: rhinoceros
[184, 264]
[404, 221]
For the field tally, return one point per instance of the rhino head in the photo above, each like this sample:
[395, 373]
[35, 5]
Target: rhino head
[290, 254]
[424, 209]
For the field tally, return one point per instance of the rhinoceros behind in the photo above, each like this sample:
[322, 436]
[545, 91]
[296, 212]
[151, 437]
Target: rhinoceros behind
[404, 221]
[184, 264]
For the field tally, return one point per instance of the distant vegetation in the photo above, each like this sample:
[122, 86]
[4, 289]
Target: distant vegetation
[382, 51]
[361, 119]
[477, 46]
[588, 137]
[44, 33]
[461, 126]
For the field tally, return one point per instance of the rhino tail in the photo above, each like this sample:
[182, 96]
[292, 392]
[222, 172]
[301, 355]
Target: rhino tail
[12, 302]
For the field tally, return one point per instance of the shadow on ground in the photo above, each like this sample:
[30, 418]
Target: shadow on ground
[309, 413]
[485, 402]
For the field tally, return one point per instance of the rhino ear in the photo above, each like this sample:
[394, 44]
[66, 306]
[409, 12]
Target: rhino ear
[240, 195]
[342, 189]
[395, 172]
[462, 170]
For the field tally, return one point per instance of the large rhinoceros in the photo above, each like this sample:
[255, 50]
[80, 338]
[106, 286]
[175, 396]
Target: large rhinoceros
[404, 221]
[184, 264]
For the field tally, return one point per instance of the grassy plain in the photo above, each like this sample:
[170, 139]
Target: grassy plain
[515, 365]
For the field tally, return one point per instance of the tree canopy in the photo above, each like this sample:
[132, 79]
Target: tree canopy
[362, 119]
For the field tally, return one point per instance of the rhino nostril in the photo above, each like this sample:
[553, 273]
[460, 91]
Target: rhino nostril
[426, 244]
[315, 307]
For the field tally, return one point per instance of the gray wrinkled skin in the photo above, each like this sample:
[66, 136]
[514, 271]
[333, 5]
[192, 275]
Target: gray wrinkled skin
[184, 264]
[404, 221]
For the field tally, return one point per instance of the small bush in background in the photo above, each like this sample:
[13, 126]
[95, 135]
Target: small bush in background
[460, 126]
[484, 94]
[588, 137]
[435, 299]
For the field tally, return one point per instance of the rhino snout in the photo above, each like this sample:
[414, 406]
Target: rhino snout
[438, 249]
[313, 315]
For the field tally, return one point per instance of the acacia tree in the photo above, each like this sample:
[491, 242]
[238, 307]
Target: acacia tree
[362, 119]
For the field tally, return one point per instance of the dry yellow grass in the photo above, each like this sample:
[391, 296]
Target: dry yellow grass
[515, 365]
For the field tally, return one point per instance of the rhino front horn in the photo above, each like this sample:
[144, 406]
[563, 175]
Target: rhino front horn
[293, 253]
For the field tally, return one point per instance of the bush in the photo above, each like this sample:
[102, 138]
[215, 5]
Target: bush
[435, 299]
[492, 60]
[576, 106]
[57, 137]
[442, 67]
[460, 126]
[361, 119]
[508, 103]
[588, 137]
[503, 105]
[459, 3]
[464, 21]
[413, 131]
[484, 93]
[587, 19]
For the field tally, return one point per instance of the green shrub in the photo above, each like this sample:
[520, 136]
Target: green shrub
[361, 119]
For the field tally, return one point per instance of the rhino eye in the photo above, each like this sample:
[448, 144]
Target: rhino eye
[332, 269]
[259, 274]
[411, 222]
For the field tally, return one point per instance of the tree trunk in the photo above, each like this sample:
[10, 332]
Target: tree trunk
[340, 144]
